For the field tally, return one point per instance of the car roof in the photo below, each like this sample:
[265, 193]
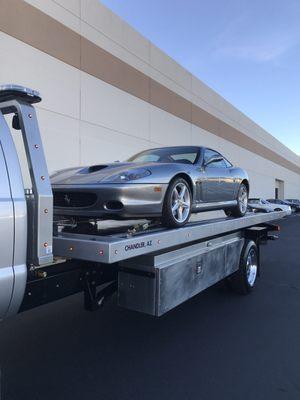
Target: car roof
[175, 147]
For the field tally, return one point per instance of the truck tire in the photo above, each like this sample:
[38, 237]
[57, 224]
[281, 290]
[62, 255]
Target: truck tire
[243, 280]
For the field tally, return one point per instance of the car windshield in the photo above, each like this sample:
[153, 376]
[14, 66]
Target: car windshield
[185, 155]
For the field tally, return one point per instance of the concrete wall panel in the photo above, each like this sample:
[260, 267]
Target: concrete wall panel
[60, 135]
[58, 83]
[113, 108]
[102, 145]
[86, 120]
[169, 130]
[64, 11]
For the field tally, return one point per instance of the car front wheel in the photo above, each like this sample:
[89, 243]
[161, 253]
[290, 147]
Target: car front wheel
[177, 204]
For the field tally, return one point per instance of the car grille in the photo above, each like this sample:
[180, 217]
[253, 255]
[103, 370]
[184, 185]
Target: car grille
[74, 199]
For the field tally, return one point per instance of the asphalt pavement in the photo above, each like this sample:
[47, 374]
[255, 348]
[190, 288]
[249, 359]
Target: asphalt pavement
[218, 345]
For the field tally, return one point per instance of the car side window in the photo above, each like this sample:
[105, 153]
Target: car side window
[211, 153]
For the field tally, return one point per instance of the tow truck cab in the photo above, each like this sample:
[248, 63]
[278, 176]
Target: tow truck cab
[21, 220]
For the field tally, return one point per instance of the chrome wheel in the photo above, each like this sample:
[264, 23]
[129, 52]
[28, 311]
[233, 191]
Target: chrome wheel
[181, 202]
[251, 267]
[243, 199]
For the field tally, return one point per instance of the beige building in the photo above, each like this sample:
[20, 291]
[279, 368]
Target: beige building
[108, 92]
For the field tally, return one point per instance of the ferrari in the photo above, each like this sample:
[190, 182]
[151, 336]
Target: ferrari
[166, 183]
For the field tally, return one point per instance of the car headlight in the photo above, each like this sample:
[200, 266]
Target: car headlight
[130, 175]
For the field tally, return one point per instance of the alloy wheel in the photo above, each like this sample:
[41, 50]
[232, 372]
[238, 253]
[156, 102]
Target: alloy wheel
[243, 199]
[251, 267]
[181, 202]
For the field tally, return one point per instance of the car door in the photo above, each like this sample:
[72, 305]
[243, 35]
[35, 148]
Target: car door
[217, 180]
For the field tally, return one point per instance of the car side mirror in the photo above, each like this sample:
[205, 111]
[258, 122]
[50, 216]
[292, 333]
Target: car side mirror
[213, 159]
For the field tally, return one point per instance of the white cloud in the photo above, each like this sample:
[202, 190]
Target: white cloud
[261, 52]
[243, 40]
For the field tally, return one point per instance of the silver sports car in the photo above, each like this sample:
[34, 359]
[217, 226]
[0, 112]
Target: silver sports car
[168, 183]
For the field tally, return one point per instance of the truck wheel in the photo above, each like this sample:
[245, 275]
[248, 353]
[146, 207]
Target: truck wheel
[177, 204]
[243, 280]
[242, 203]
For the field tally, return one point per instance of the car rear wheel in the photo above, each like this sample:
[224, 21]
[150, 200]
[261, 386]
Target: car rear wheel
[177, 204]
[242, 203]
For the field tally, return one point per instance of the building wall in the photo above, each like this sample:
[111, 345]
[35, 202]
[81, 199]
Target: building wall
[108, 92]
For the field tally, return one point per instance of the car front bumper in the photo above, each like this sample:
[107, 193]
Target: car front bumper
[121, 201]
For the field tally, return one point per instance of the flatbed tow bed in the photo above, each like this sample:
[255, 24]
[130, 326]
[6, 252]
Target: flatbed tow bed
[160, 268]
[152, 270]
[121, 246]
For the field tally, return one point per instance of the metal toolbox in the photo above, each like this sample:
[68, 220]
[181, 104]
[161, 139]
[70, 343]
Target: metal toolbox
[154, 284]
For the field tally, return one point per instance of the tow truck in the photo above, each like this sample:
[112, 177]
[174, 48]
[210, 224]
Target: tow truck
[151, 269]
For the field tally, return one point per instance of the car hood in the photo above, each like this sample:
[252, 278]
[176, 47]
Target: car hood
[95, 174]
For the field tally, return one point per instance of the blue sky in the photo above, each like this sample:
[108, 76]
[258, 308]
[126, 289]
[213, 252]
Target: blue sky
[248, 51]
